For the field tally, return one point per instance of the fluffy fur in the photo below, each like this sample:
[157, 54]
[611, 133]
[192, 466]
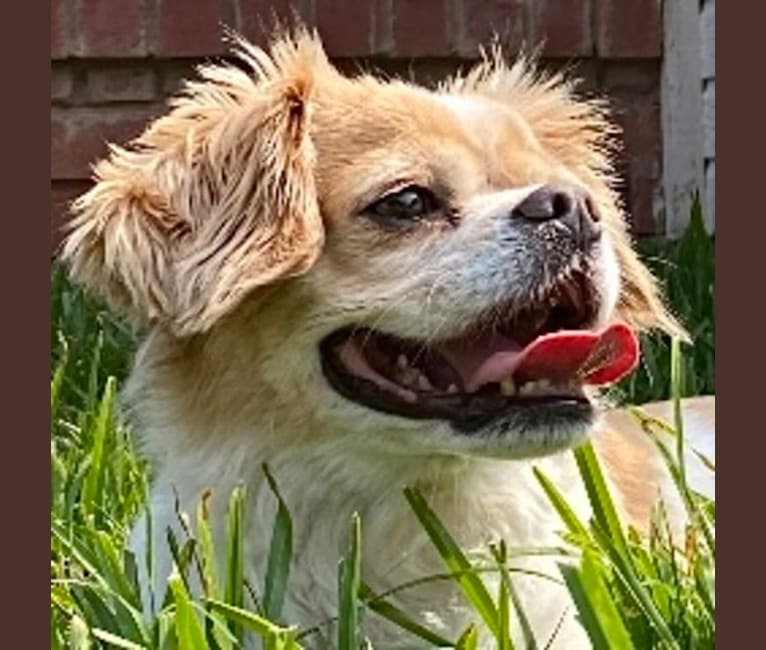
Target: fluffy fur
[230, 231]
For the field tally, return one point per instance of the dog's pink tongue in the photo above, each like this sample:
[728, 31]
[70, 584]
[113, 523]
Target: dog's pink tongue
[596, 357]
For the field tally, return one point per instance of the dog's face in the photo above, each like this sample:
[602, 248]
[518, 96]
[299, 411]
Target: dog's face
[439, 268]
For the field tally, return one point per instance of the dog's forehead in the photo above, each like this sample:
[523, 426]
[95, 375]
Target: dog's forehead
[378, 113]
[374, 133]
[511, 151]
[371, 114]
[489, 120]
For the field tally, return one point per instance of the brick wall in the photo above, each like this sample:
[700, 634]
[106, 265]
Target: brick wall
[114, 62]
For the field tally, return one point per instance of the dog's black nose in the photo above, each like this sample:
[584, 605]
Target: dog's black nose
[564, 203]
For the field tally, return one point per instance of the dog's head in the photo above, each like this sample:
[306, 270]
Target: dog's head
[443, 266]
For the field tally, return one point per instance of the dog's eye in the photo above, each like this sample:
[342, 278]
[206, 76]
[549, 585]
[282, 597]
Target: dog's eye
[409, 204]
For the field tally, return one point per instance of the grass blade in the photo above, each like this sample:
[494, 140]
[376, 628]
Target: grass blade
[470, 583]
[246, 619]
[504, 615]
[568, 516]
[693, 504]
[595, 605]
[500, 553]
[349, 583]
[400, 618]
[676, 389]
[601, 502]
[57, 381]
[280, 555]
[469, 640]
[189, 630]
[234, 591]
[206, 548]
[79, 634]
[116, 641]
[626, 573]
[611, 537]
[93, 488]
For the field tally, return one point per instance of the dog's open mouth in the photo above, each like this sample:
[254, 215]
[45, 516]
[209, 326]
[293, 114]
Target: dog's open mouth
[542, 354]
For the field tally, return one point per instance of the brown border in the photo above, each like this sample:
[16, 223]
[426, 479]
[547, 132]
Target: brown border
[24, 269]
[741, 233]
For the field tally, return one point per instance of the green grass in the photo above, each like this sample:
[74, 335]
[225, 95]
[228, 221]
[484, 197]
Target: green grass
[686, 270]
[630, 592]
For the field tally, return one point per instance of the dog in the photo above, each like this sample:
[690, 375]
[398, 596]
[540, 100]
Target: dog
[367, 284]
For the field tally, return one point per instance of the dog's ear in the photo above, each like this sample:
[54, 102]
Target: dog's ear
[213, 200]
[640, 304]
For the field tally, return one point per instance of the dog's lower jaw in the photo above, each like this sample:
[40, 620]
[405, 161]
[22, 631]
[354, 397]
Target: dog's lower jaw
[478, 500]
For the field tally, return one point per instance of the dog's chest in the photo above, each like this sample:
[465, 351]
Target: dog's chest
[501, 501]
[480, 503]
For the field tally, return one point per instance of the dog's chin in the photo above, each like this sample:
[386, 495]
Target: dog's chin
[529, 431]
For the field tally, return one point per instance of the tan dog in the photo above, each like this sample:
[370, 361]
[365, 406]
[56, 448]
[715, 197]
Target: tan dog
[367, 284]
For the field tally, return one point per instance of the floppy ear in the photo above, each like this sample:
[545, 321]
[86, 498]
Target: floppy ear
[213, 200]
[640, 303]
[580, 133]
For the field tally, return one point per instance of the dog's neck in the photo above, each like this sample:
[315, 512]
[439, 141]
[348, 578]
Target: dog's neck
[324, 483]
[478, 500]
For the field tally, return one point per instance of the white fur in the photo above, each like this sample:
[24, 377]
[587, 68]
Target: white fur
[479, 500]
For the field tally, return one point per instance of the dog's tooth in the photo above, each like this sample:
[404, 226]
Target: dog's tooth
[508, 387]
[543, 385]
[571, 293]
[452, 389]
[527, 389]
[410, 376]
[402, 362]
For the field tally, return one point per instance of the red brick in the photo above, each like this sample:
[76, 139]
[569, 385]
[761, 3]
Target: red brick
[120, 84]
[420, 28]
[628, 28]
[564, 28]
[478, 25]
[639, 117]
[256, 21]
[62, 194]
[111, 29]
[345, 26]
[191, 28]
[60, 28]
[641, 200]
[79, 135]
